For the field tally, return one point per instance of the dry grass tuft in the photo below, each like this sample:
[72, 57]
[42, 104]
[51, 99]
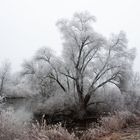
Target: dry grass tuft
[55, 132]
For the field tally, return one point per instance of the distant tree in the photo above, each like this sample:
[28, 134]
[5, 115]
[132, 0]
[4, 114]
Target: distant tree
[4, 77]
[36, 74]
[134, 82]
[54, 66]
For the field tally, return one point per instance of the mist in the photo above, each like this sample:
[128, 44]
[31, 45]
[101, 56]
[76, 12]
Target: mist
[69, 70]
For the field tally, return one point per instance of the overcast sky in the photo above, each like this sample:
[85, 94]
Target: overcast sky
[27, 25]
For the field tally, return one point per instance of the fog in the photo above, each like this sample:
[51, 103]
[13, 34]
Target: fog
[28, 25]
[75, 66]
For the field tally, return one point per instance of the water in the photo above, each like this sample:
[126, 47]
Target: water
[21, 109]
[17, 103]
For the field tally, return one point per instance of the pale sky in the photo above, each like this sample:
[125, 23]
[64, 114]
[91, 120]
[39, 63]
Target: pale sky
[27, 25]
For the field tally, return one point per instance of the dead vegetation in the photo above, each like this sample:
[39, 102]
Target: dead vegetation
[108, 128]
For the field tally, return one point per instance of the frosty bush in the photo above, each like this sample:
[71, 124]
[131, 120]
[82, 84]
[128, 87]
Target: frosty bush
[11, 127]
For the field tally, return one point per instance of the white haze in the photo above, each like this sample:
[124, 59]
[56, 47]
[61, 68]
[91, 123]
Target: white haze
[27, 25]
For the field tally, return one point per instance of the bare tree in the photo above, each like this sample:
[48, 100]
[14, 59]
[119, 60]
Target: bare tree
[4, 76]
[92, 61]
[54, 65]
[37, 75]
[89, 60]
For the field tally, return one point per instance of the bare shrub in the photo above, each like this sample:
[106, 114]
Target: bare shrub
[117, 121]
[132, 101]
[60, 103]
[10, 127]
[108, 125]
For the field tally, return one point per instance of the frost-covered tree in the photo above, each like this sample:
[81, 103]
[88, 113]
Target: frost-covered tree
[4, 77]
[54, 66]
[88, 62]
[36, 74]
[91, 60]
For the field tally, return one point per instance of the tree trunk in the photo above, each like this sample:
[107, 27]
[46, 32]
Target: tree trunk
[82, 110]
